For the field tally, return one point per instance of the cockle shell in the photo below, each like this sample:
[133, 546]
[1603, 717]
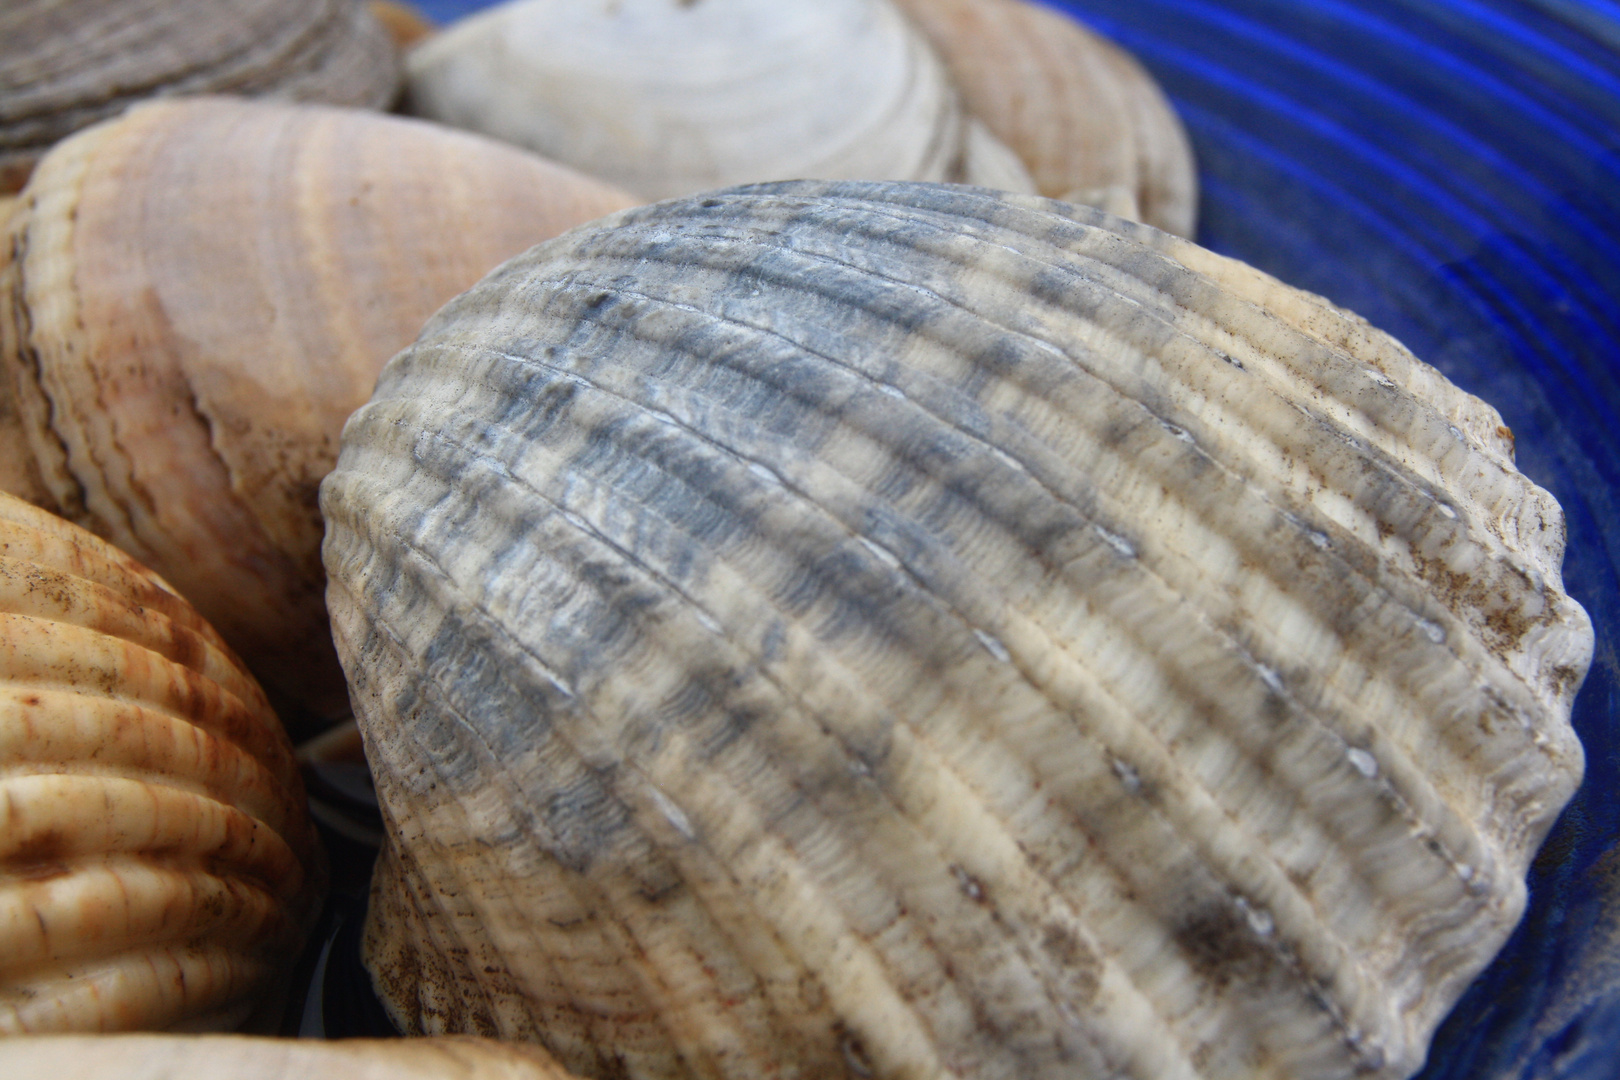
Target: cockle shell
[200, 293]
[67, 64]
[157, 864]
[896, 630]
[1080, 112]
[668, 98]
[238, 1057]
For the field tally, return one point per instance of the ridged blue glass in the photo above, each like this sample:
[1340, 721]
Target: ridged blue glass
[1450, 169]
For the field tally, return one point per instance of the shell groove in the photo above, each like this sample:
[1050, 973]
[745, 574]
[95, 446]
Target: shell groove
[909, 631]
[199, 294]
[666, 99]
[67, 65]
[157, 863]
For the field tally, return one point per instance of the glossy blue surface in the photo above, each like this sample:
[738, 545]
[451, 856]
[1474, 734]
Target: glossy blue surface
[1451, 170]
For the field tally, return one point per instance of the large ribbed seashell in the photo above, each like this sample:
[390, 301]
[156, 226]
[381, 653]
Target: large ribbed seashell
[237, 1057]
[668, 98]
[66, 64]
[201, 293]
[908, 631]
[1079, 111]
[157, 864]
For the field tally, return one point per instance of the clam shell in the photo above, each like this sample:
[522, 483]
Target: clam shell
[226, 1057]
[906, 631]
[667, 99]
[157, 863]
[66, 64]
[1079, 111]
[202, 291]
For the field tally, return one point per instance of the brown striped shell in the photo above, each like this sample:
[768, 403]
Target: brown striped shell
[197, 296]
[1081, 114]
[236, 1057]
[851, 630]
[67, 64]
[157, 863]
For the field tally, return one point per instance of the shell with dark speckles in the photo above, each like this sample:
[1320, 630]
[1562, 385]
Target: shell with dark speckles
[895, 630]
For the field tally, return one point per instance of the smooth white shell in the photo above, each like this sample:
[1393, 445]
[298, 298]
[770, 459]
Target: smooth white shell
[666, 98]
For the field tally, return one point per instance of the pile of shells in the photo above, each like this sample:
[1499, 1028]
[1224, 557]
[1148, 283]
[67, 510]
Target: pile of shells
[157, 864]
[908, 631]
[66, 64]
[668, 99]
[196, 297]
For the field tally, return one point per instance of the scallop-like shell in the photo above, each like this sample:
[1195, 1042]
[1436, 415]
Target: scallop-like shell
[201, 293]
[908, 631]
[157, 863]
[1080, 112]
[667, 98]
[237, 1057]
[67, 64]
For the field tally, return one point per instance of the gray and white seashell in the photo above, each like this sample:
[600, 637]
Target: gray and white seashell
[895, 630]
[666, 98]
[158, 868]
[67, 64]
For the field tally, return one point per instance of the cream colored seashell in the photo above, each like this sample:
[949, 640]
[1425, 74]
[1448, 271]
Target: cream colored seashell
[668, 98]
[203, 291]
[226, 1057]
[67, 64]
[1078, 110]
[157, 865]
[904, 631]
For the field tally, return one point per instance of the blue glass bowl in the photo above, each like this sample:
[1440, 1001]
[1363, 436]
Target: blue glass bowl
[1450, 169]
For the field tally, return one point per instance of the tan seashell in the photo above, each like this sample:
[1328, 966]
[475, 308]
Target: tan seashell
[1078, 110]
[227, 1057]
[904, 631]
[202, 292]
[67, 64]
[670, 98]
[404, 23]
[157, 864]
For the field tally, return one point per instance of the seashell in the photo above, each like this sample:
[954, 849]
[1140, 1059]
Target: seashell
[238, 1057]
[202, 291]
[67, 64]
[157, 864]
[1079, 111]
[907, 631]
[406, 25]
[667, 99]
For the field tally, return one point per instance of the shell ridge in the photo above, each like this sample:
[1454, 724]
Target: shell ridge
[649, 977]
[949, 223]
[1403, 597]
[218, 713]
[1422, 488]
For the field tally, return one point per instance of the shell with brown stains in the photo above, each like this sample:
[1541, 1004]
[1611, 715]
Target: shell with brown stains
[157, 864]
